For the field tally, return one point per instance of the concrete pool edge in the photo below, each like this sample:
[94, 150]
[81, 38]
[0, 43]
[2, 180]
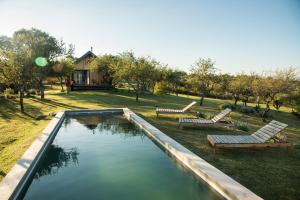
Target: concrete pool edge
[13, 183]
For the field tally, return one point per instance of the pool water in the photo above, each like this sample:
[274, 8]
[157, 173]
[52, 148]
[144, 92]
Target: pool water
[106, 157]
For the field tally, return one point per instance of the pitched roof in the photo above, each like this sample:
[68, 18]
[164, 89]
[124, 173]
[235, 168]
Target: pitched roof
[87, 54]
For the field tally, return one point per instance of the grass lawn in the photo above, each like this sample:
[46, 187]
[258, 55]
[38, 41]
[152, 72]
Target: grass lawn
[270, 173]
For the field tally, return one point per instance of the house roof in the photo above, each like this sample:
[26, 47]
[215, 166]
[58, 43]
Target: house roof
[87, 54]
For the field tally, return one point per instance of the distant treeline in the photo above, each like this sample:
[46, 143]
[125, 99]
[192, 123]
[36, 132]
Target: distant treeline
[30, 57]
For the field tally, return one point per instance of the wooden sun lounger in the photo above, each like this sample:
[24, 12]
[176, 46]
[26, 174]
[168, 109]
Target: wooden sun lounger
[260, 138]
[175, 111]
[215, 121]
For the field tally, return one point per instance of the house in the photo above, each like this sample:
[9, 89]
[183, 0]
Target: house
[86, 79]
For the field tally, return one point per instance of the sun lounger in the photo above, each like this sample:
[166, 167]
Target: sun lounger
[215, 121]
[261, 138]
[175, 111]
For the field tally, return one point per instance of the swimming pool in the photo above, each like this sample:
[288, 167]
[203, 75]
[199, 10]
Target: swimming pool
[103, 156]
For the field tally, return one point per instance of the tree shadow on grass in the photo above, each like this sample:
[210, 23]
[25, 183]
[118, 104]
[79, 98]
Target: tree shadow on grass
[9, 109]
[53, 103]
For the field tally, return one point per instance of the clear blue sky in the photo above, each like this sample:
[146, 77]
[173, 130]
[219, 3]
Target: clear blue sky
[240, 35]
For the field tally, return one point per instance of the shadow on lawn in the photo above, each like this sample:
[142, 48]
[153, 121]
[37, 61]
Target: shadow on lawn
[52, 103]
[125, 99]
[9, 109]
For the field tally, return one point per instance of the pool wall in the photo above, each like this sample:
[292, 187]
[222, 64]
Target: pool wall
[13, 183]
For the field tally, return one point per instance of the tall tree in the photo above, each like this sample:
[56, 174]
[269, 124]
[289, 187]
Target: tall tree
[25, 58]
[135, 71]
[62, 69]
[174, 79]
[202, 76]
[107, 64]
[241, 88]
[15, 66]
[221, 88]
[284, 83]
[42, 49]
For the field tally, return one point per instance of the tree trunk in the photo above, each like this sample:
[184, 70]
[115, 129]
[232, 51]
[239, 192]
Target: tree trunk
[137, 96]
[42, 90]
[42, 93]
[61, 84]
[62, 87]
[201, 100]
[21, 99]
[257, 101]
[235, 101]
[267, 105]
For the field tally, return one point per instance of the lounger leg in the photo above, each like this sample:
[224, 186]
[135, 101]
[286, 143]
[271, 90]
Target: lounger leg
[214, 148]
[180, 126]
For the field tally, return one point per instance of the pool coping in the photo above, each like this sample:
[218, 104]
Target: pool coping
[12, 184]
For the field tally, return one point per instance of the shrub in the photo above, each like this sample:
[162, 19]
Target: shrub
[32, 91]
[8, 93]
[257, 108]
[229, 105]
[209, 115]
[242, 126]
[201, 115]
[160, 88]
[247, 110]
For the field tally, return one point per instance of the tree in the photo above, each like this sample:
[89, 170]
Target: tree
[202, 76]
[40, 46]
[15, 66]
[62, 69]
[26, 57]
[221, 87]
[174, 79]
[135, 71]
[241, 88]
[108, 65]
[283, 83]
[293, 98]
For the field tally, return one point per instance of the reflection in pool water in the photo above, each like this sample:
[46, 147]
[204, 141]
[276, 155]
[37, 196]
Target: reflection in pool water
[106, 157]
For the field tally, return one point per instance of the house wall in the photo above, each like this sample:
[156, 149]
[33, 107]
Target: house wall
[83, 64]
[94, 77]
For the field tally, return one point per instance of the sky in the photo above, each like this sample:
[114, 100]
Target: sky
[239, 35]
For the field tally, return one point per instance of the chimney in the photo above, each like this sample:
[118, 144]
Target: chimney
[91, 49]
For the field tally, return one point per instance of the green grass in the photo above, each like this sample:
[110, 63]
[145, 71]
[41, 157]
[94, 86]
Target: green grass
[270, 173]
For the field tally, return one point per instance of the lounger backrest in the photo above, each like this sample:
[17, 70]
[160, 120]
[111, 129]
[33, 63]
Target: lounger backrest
[189, 106]
[221, 115]
[269, 131]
